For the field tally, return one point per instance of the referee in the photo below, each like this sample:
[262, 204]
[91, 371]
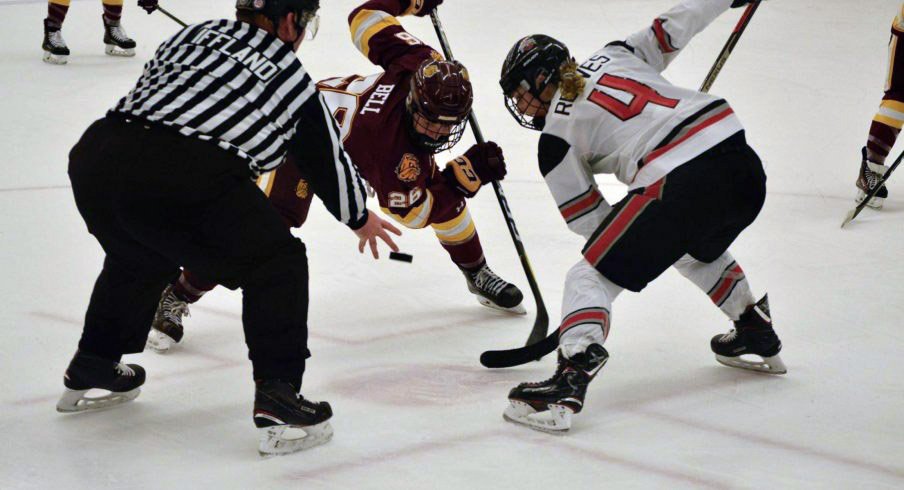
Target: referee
[166, 180]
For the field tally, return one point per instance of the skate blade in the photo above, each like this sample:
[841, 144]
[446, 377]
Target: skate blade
[77, 400]
[278, 440]
[769, 365]
[159, 342]
[556, 420]
[517, 309]
[114, 50]
[55, 59]
[874, 203]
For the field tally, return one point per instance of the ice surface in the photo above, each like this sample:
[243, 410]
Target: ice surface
[396, 345]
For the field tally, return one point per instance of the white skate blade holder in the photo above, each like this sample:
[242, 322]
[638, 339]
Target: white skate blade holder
[55, 59]
[768, 365]
[555, 420]
[159, 342]
[875, 203]
[114, 50]
[517, 310]
[79, 400]
[278, 440]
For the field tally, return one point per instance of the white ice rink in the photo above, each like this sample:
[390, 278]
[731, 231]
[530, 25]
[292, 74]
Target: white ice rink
[395, 346]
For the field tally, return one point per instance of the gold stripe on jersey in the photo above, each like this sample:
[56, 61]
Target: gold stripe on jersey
[417, 217]
[366, 24]
[265, 182]
[892, 48]
[457, 230]
[891, 113]
[898, 24]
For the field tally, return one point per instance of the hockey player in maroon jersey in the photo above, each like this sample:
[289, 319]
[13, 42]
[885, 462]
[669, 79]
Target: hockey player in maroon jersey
[392, 124]
[693, 185]
[887, 123]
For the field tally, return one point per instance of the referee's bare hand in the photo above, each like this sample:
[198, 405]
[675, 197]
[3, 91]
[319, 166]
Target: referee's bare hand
[376, 227]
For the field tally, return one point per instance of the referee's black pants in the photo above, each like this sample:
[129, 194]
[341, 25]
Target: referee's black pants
[157, 200]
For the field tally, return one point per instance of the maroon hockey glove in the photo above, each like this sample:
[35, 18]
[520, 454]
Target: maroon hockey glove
[421, 8]
[482, 163]
[740, 3]
[148, 5]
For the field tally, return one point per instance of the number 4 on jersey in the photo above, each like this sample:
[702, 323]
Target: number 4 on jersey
[641, 96]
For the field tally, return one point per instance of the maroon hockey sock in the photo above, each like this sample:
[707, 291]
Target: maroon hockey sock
[56, 14]
[467, 255]
[112, 13]
[189, 287]
[881, 139]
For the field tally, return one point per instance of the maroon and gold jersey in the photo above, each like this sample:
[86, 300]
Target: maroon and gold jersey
[374, 124]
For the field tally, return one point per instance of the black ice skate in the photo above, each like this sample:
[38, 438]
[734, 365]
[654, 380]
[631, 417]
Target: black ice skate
[752, 335]
[548, 405]
[116, 41]
[868, 179]
[287, 422]
[87, 372]
[55, 50]
[493, 291]
[166, 329]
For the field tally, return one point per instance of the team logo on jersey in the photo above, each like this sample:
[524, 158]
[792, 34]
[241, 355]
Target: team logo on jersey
[301, 190]
[408, 169]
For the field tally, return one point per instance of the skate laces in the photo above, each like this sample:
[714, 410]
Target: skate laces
[730, 336]
[488, 281]
[124, 369]
[174, 309]
[56, 39]
[116, 31]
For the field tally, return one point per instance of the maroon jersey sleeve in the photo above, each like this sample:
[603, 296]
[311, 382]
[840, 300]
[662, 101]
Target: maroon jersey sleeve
[378, 35]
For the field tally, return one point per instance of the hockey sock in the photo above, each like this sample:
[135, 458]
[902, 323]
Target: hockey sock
[189, 287]
[459, 237]
[885, 128]
[112, 10]
[722, 280]
[56, 13]
[586, 305]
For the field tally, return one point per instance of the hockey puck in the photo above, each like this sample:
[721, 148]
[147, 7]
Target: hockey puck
[400, 257]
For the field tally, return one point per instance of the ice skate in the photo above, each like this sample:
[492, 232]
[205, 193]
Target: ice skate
[868, 179]
[87, 372]
[549, 405]
[753, 335]
[55, 50]
[166, 329]
[286, 421]
[116, 41]
[493, 291]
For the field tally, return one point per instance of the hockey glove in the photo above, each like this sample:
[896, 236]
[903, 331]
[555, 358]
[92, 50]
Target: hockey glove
[148, 5]
[740, 3]
[421, 8]
[482, 163]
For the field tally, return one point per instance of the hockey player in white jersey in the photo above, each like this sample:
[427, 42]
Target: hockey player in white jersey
[694, 184]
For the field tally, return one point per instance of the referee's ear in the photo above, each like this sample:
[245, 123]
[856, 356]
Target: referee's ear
[289, 32]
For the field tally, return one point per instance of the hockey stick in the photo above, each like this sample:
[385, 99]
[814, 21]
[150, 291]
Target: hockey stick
[854, 212]
[538, 332]
[171, 16]
[532, 352]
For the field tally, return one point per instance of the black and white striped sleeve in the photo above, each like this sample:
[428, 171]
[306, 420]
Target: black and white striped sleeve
[317, 149]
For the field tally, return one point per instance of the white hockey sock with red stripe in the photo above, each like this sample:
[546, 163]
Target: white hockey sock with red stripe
[586, 307]
[722, 280]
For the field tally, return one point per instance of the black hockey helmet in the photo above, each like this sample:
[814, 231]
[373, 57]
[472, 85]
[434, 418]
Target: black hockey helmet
[305, 11]
[533, 63]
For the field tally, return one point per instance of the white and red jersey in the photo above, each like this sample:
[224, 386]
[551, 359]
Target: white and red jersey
[630, 121]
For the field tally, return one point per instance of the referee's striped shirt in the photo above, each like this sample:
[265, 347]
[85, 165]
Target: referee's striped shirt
[234, 84]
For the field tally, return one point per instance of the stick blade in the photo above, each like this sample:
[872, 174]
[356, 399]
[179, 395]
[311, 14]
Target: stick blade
[849, 217]
[495, 359]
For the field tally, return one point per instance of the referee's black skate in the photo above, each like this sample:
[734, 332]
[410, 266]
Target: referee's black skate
[493, 291]
[752, 335]
[166, 329]
[87, 372]
[548, 405]
[287, 422]
[55, 50]
[116, 41]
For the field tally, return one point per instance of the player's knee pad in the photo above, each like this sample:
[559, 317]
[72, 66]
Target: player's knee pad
[585, 287]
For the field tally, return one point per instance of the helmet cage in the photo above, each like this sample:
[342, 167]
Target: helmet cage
[440, 92]
[533, 63]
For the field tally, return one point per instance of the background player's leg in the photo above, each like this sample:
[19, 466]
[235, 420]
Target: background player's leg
[55, 49]
[887, 122]
[459, 237]
[116, 41]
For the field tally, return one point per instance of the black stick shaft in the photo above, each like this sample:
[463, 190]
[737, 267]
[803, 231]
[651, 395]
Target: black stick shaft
[541, 324]
[171, 16]
[729, 46]
[853, 214]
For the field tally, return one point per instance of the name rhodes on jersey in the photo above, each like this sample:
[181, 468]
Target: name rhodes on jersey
[259, 64]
